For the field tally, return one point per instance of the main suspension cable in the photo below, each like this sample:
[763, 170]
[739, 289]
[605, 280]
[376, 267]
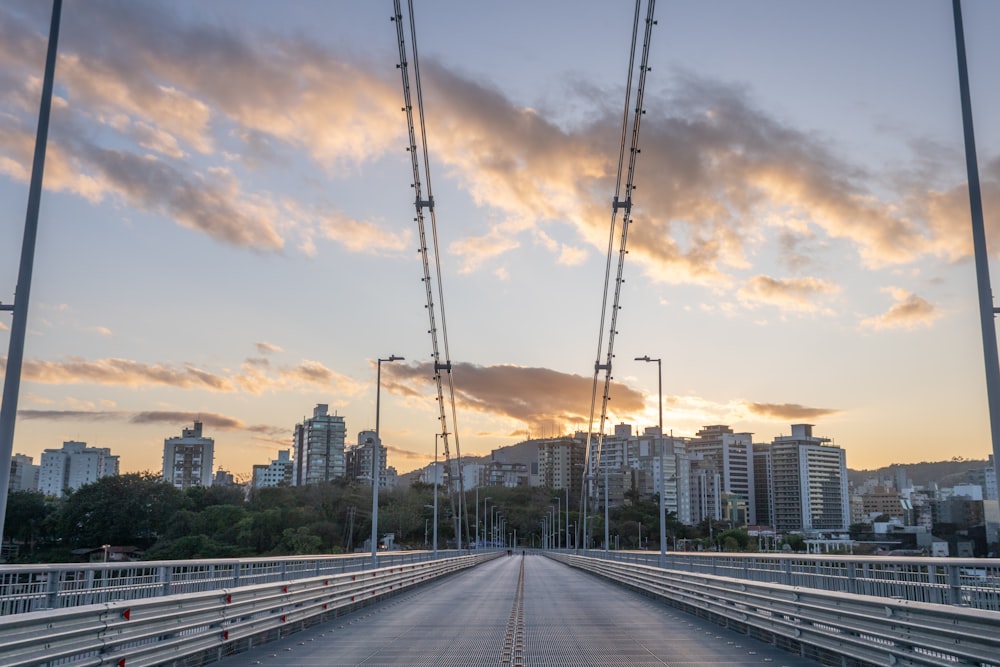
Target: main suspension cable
[594, 450]
[461, 516]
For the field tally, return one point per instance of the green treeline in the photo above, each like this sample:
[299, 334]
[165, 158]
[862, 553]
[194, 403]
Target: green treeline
[141, 510]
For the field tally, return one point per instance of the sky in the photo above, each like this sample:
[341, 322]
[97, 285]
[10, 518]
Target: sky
[226, 231]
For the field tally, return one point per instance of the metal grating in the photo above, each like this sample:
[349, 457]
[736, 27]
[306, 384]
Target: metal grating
[564, 617]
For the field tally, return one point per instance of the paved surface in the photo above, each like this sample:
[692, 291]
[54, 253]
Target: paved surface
[517, 611]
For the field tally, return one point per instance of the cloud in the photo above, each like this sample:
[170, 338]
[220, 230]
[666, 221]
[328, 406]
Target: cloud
[211, 420]
[71, 415]
[267, 348]
[126, 372]
[407, 454]
[790, 294]
[212, 202]
[255, 377]
[161, 88]
[909, 312]
[538, 397]
[714, 171]
[788, 411]
[312, 372]
[718, 177]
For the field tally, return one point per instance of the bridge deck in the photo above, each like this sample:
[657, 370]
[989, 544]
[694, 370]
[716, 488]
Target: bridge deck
[516, 611]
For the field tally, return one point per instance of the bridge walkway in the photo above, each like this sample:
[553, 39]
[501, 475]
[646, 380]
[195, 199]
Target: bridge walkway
[518, 610]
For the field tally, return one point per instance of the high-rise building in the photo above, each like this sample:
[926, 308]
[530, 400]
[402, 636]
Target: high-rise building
[990, 480]
[763, 484]
[723, 472]
[319, 448]
[187, 460]
[277, 473]
[73, 466]
[610, 468]
[560, 463]
[810, 482]
[660, 463]
[359, 461]
[23, 473]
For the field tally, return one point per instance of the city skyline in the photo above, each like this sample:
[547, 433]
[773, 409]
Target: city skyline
[226, 230]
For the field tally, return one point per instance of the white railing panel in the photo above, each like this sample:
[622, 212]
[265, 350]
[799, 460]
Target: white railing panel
[154, 631]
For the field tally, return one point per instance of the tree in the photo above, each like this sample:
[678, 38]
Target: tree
[27, 514]
[794, 543]
[132, 509]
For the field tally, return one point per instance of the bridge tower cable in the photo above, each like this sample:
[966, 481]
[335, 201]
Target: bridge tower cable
[422, 174]
[622, 201]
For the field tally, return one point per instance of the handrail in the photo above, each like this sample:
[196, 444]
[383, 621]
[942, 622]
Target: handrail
[210, 623]
[827, 626]
[967, 582]
[26, 588]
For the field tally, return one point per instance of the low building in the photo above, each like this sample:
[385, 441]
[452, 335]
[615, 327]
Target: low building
[276, 473]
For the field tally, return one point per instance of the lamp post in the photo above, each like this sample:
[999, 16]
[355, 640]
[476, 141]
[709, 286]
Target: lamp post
[558, 522]
[376, 451]
[663, 472]
[567, 517]
[436, 436]
[486, 518]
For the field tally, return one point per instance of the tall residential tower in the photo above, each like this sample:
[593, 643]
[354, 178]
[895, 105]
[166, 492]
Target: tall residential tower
[187, 460]
[319, 448]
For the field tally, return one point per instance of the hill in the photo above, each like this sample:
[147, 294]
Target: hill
[946, 473]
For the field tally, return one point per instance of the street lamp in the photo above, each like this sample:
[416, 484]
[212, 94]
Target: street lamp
[486, 522]
[436, 436]
[663, 472]
[559, 522]
[376, 447]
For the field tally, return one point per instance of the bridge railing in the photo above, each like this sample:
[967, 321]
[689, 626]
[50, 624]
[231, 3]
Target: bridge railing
[196, 628]
[26, 588]
[969, 582]
[831, 627]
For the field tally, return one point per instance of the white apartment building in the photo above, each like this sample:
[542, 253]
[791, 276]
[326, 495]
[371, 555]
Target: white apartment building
[722, 467]
[319, 448]
[810, 483]
[23, 473]
[610, 464]
[277, 473]
[664, 462]
[73, 466]
[433, 473]
[188, 460]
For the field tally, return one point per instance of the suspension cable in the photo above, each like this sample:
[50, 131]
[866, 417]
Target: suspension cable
[594, 451]
[461, 517]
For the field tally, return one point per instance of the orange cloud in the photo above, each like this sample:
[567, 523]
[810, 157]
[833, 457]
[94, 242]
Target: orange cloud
[788, 411]
[909, 312]
[255, 377]
[794, 294]
[212, 420]
[539, 397]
